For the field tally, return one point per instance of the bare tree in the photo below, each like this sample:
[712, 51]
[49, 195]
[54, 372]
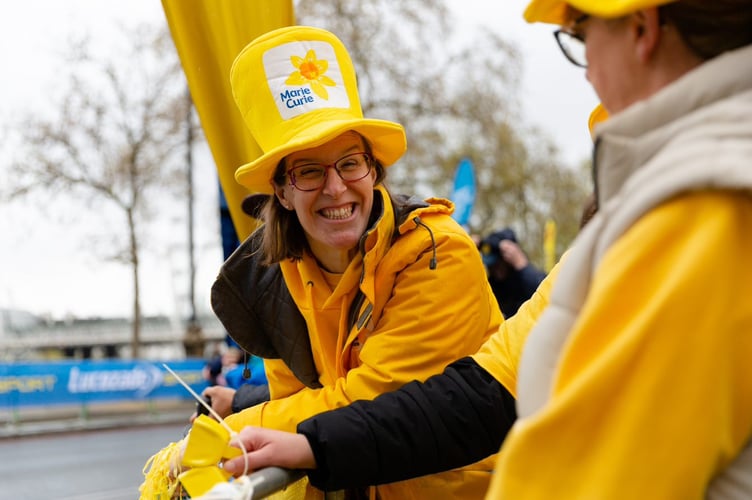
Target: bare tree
[115, 138]
[456, 98]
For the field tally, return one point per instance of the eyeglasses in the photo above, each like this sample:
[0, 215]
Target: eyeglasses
[311, 176]
[573, 44]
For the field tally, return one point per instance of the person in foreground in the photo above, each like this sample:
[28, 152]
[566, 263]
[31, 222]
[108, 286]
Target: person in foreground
[346, 290]
[635, 380]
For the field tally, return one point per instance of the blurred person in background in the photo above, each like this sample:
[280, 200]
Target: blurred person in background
[512, 277]
[240, 368]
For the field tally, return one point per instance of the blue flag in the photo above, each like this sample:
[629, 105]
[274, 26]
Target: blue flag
[463, 194]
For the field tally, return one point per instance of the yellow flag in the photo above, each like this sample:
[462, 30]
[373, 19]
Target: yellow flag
[208, 35]
[549, 244]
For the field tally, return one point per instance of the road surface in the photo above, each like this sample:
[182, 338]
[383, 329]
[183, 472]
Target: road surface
[92, 465]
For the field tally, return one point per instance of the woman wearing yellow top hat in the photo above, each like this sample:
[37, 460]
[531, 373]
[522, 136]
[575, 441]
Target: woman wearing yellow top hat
[635, 380]
[347, 291]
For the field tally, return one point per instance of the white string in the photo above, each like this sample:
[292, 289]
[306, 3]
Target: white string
[198, 398]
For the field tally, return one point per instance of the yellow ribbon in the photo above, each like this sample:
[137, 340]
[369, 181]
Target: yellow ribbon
[206, 444]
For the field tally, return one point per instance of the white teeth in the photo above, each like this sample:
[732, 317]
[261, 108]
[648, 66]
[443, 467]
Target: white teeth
[337, 213]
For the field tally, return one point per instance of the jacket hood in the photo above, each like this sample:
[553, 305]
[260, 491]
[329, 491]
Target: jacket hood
[255, 307]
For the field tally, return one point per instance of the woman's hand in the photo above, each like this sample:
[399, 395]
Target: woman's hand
[267, 448]
[513, 254]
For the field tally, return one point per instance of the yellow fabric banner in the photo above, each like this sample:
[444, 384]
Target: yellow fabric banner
[208, 35]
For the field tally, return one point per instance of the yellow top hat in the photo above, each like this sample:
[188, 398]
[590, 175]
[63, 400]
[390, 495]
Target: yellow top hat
[296, 89]
[554, 11]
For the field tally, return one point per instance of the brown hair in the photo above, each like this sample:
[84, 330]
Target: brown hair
[711, 27]
[283, 237]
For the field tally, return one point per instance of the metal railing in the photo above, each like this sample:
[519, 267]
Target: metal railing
[272, 479]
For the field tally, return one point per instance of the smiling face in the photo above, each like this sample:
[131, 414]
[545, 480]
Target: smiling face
[334, 216]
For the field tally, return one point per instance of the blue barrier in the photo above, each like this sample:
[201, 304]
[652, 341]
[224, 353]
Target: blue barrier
[83, 382]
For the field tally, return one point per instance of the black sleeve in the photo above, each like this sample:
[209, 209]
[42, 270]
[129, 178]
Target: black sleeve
[248, 395]
[451, 420]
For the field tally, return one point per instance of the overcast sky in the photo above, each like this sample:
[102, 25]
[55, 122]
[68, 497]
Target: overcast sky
[46, 271]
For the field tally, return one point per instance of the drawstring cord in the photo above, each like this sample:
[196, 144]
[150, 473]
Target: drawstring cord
[246, 370]
[419, 222]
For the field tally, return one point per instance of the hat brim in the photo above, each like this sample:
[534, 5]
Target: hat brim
[555, 11]
[546, 11]
[387, 140]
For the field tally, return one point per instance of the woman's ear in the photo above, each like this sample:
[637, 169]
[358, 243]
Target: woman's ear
[280, 193]
[647, 31]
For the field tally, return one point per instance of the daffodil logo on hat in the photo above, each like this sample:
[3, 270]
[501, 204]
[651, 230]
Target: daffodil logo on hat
[303, 84]
[312, 71]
